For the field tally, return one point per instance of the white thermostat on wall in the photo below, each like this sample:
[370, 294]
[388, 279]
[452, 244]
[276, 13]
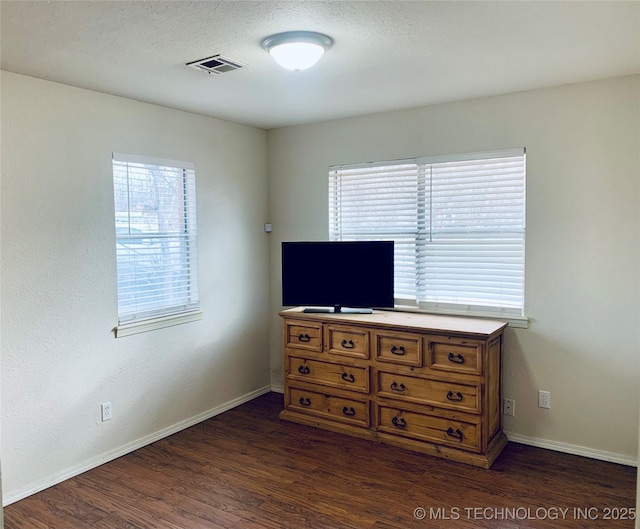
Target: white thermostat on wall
[268, 228]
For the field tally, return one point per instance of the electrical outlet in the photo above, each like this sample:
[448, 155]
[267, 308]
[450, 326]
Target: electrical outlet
[544, 399]
[105, 408]
[509, 407]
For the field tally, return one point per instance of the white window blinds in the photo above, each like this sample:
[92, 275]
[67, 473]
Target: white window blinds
[156, 240]
[458, 223]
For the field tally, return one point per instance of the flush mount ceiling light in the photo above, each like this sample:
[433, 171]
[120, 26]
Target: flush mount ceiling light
[297, 50]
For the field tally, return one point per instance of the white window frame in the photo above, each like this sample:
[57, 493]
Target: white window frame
[438, 209]
[161, 262]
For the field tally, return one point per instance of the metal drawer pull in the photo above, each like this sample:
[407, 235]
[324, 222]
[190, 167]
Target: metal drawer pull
[348, 377]
[456, 359]
[398, 387]
[456, 397]
[304, 369]
[304, 337]
[399, 422]
[457, 434]
[347, 344]
[348, 411]
[397, 350]
[305, 401]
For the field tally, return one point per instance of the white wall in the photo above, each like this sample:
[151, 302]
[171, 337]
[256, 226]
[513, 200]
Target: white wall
[60, 359]
[637, 524]
[1, 501]
[583, 236]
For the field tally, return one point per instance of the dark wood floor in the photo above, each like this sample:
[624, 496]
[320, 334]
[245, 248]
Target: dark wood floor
[245, 469]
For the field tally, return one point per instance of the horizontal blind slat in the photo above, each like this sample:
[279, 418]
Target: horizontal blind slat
[458, 223]
[156, 237]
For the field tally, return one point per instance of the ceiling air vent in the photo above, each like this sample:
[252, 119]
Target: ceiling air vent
[217, 64]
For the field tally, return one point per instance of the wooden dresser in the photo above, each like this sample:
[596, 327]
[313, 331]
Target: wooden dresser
[422, 382]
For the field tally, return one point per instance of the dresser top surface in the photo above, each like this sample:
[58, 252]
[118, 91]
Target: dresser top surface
[405, 320]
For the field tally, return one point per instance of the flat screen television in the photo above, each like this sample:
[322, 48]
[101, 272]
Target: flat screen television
[337, 276]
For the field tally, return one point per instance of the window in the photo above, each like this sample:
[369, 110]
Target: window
[156, 247]
[458, 223]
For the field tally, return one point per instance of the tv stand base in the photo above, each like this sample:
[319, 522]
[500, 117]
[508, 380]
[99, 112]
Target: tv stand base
[336, 310]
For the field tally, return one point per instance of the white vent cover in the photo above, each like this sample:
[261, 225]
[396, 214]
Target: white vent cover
[216, 64]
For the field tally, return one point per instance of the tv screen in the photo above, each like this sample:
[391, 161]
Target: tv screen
[338, 274]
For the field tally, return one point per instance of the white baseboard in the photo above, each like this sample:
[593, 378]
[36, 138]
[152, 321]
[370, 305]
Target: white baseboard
[566, 448]
[94, 462]
[577, 450]
[58, 477]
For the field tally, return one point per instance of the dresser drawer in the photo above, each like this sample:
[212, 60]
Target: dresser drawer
[336, 375]
[398, 348]
[429, 428]
[303, 335]
[337, 408]
[346, 341]
[455, 354]
[432, 392]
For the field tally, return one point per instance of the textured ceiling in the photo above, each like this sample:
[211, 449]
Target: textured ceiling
[386, 55]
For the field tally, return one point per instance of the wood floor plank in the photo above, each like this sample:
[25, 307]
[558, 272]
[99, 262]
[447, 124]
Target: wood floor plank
[245, 469]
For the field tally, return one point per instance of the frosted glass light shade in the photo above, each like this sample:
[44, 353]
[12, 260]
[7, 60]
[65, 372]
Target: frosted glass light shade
[297, 55]
[297, 50]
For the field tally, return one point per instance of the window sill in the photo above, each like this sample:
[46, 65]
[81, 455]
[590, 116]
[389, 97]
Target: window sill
[157, 323]
[518, 322]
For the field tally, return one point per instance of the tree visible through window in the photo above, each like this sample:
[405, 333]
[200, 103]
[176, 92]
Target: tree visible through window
[156, 247]
[458, 223]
